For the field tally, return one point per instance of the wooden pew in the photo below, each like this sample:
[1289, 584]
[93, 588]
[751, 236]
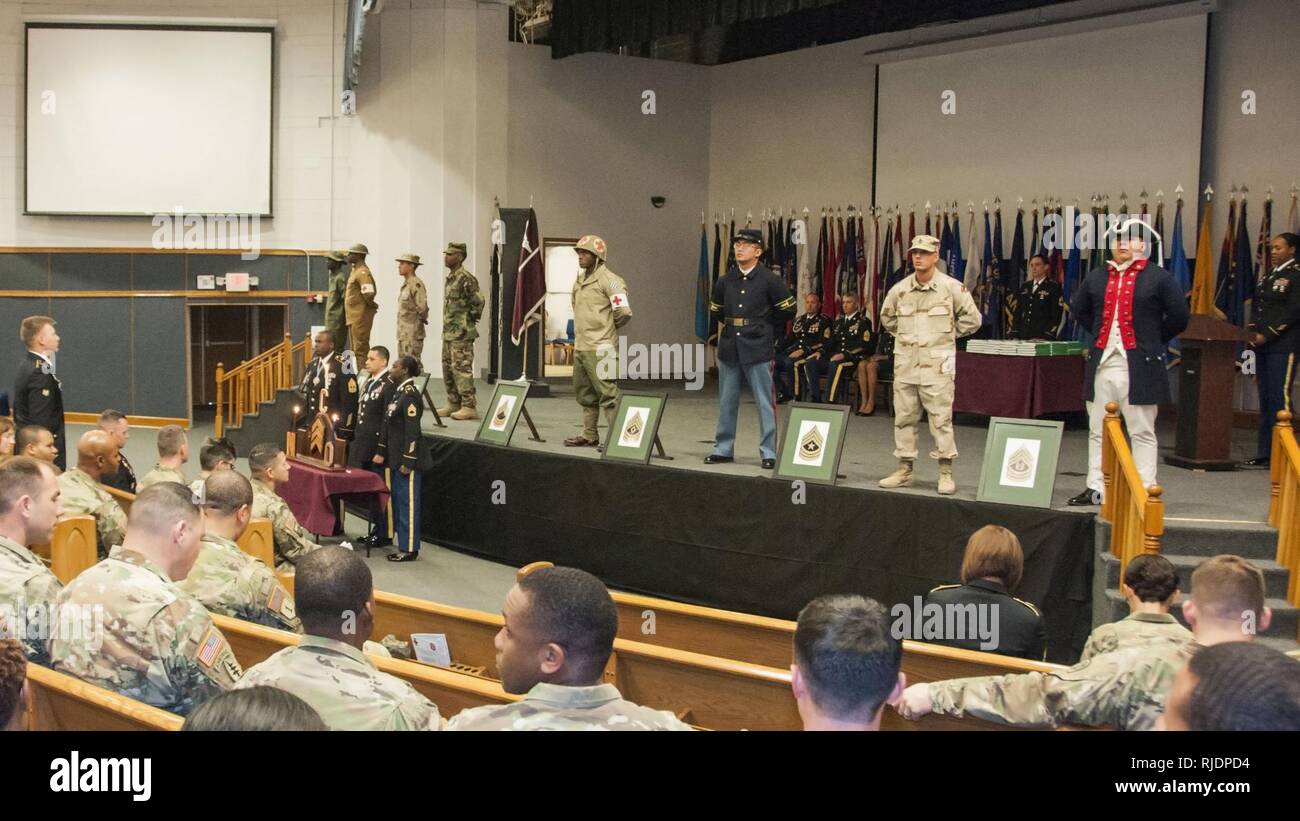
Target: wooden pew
[72, 547]
[258, 541]
[123, 498]
[470, 633]
[61, 702]
[451, 691]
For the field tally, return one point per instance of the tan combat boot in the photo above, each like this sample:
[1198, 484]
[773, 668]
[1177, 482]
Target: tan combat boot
[464, 413]
[947, 485]
[901, 477]
[448, 410]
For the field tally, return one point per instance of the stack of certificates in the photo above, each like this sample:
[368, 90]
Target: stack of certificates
[1016, 347]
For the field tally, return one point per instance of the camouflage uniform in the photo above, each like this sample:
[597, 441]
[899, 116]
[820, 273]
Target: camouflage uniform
[462, 306]
[1123, 688]
[600, 307]
[554, 707]
[1136, 630]
[334, 321]
[82, 496]
[158, 643]
[344, 687]
[292, 542]
[26, 583]
[412, 315]
[161, 474]
[359, 306]
[230, 582]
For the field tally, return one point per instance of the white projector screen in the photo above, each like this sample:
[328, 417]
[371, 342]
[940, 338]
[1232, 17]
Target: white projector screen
[142, 120]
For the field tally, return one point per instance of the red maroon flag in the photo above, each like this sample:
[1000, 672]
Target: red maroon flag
[530, 283]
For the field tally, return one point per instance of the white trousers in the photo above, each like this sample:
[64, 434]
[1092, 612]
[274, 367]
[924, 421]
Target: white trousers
[1110, 384]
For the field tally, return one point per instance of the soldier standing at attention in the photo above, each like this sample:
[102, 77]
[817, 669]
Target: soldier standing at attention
[38, 394]
[226, 579]
[29, 507]
[82, 495]
[1275, 337]
[338, 283]
[600, 307]
[1038, 304]
[159, 644]
[402, 449]
[335, 377]
[926, 313]
[749, 300]
[268, 465]
[462, 305]
[328, 668]
[375, 398]
[412, 308]
[359, 304]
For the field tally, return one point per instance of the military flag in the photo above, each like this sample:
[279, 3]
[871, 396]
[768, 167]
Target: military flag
[1223, 286]
[1203, 278]
[1263, 249]
[703, 288]
[530, 282]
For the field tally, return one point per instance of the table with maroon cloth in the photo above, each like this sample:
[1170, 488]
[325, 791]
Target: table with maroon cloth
[315, 494]
[1021, 387]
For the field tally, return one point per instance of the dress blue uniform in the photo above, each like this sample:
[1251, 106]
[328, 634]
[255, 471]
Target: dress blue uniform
[807, 336]
[404, 450]
[1276, 315]
[38, 400]
[371, 411]
[851, 336]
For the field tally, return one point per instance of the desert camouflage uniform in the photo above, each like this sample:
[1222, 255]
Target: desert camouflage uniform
[344, 687]
[1136, 630]
[553, 707]
[462, 306]
[412, 316]
[26, 583]
[1122, 688]
[230, 582]
[158, 643]
[161, 474]
[292, 542]
[83, 496]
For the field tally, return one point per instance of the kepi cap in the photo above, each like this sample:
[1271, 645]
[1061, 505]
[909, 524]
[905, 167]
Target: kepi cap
[749, 235]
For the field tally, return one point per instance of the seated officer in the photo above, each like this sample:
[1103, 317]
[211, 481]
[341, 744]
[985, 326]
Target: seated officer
[1038, 304]
[804, 346]
[848, 355]
[990, 570]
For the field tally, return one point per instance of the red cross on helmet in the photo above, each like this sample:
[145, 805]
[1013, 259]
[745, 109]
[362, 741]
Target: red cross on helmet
[592, 243]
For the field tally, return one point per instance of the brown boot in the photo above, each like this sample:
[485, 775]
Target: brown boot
[947, 485]
[465, 413]
[448, 410]
[902, 477]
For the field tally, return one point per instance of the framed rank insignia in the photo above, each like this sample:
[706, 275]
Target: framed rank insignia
[1020, 457]
[498, 424]
[812, 441]
[636, 425]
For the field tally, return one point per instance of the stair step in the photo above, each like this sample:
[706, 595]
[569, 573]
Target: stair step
[1282, 631]
[1275, 575]
[1250, 541]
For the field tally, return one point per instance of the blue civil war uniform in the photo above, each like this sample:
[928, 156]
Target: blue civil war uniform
[402, 445]
[1275, 313]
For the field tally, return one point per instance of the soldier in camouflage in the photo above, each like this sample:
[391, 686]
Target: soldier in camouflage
[226, 579]
[84, 496]
[126, 626]
[1150, 586]
[328, 668]
[600, 308]
[338, 283]
[268, 465]
[559, 631]
[29, 507]
[462, 306]
[173, 453]
[412, 308]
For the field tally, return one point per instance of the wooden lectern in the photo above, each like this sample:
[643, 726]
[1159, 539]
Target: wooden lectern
[317, 444]
[1204, 437]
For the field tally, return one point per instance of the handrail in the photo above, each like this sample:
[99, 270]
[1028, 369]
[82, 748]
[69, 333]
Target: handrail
[244, 387]
[1284, 504]
[1136, 514]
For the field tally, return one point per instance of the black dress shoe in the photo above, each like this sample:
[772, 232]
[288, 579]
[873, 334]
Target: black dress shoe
[1259, 462]
[768, 464]
[715, 459]
[380, 541]
[1088, 497]
[403, 557]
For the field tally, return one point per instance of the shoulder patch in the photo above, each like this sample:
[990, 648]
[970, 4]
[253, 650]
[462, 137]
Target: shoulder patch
[411, 411]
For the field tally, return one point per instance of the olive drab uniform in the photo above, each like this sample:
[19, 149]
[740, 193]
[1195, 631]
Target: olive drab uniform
[852, 337]
[926, 320]
[359, 305]
[335, 322]
[27, 593]
[462, 305]
[808, 336]
[412, 312]
[407, 456]
[125, 626]
[600, 308]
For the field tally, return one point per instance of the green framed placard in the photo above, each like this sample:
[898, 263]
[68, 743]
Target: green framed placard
[636, 424]
[812, 441]
[498, 424]
[1020, 457]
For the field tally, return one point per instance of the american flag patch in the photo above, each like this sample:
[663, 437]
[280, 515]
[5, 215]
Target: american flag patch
[209, 647]
[276, 601]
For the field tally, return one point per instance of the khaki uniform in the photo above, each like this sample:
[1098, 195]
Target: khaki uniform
[600, 307]
[1136, 630]
[124, 626]
[291, 541]
[926, 321]
[27, 593]
[462, 306]
[83, 496]
[1124, 688]
[412, 316]
[334, 319]
[161, 474]
[359, 307]
[553, 707]
[344, 687]
[232, 583]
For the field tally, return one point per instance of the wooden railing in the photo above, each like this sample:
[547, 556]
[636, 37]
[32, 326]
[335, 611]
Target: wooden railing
[1284, 506]
[1136, 513]
[243, 387]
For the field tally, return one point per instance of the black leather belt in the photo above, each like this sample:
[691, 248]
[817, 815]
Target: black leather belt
[733, 320]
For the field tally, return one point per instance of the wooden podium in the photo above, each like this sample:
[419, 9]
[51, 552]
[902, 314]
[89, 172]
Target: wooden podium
[317, 444]
[1204, 436]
